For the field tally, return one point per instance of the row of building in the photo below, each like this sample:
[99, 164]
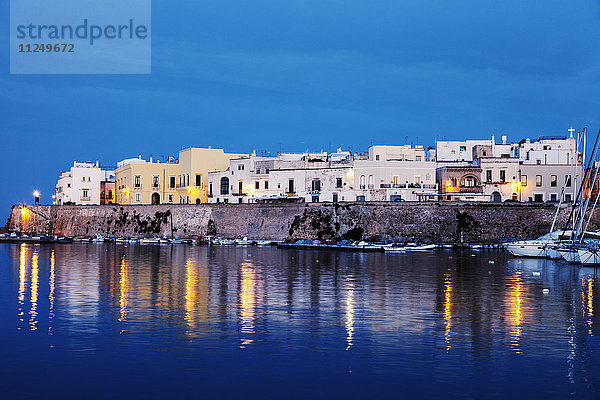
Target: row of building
[546, 169]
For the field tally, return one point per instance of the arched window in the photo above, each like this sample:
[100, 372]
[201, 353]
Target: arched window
[470, 181]
[371, 182]
[224, 185]
[362, 181]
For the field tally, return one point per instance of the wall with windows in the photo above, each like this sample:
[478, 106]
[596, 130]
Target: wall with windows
[82, 184]
[545, 182]
[146, 183]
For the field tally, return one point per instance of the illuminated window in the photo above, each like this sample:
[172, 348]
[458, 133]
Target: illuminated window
[155, 181]
[568, 181]
[553, 180]
[523, 180]
[538, 181]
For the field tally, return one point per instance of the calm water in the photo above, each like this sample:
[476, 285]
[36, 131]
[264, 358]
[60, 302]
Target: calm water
[112, 321]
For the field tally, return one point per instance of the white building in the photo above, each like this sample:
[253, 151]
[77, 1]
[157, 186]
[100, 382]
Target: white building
[546, 166]
[457, 152]
[394, 173]
[82, 183]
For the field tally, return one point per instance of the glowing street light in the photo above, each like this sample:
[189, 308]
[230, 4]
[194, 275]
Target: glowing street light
[36, 196]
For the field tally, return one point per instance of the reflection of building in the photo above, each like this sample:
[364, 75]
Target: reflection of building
[82, 183]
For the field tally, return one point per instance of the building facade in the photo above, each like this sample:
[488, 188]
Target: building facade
[81, 185]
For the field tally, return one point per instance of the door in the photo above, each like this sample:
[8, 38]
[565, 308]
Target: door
[155, 198]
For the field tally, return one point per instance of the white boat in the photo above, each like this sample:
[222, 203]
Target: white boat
[395, 249]
[589, 255]
[98, 239]
[150, 241]
[569, 254]
[538, 248]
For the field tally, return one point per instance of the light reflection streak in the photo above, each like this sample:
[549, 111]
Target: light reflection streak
[349, 316]
[34, 291]
[191, 293]
[517, 311]
[123, 289]
[22, 279]
[52, 286]
[247, 303]
[588, 303]
[447, 310]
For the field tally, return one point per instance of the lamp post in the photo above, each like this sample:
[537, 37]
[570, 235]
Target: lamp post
[36, 196]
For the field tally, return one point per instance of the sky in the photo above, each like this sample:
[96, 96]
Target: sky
[301, 74]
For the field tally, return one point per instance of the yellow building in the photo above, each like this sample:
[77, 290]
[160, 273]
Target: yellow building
[140, 182]
[182, 181]
[195, 164]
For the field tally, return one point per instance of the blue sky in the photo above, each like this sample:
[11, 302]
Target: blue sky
[315, 75]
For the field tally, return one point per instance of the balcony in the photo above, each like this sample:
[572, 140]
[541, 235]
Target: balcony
[385, 185]
[239, 194]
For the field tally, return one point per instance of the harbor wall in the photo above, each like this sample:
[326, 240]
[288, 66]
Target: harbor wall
[432, 222]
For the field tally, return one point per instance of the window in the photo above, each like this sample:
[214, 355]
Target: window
[362, 181]
[137, 181]
[172, 182]
[568, 197]
[553, 180]
[523, 180]
[266, 184]
[338, 183]
[538, 198]
[469, 181]
[377, 157]
[110, 194]
[170, 198]
[371, 182]
[316, 185]
[155, 180]
[360, 198]
[210, 189]
[538, 162]
[418, 158]
[291, 186]
[198, 180]
[224, 185]
[85, 194]
[417, 180]
[257, 185]
[88, 178]
[484, 153]
[240, 187]
[568, 181]
[258, 170]
[488, 175]
[538, 181]
[395, 180]
[502, 176]
[138, 197]
[68, 185]
[335, 198]
[315, 198]
[266, 170]
[553, 196]
[463, 148]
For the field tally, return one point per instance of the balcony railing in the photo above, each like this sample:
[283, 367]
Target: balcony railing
[470, 189]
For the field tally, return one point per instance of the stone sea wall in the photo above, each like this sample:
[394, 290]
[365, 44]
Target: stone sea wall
[423, 222]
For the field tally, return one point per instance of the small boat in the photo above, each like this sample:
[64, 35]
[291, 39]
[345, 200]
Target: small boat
[98, 239]
[424, 247]
[150, 241]
[540, 247]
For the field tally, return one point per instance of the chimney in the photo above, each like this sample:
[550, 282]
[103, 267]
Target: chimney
[503, 139]
[140, 156]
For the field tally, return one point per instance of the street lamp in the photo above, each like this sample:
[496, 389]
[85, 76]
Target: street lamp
[36, 196]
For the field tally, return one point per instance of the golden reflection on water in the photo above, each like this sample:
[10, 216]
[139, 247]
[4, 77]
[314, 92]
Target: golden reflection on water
[447, 309]
[196, 297]
[22, 277]
[123, 289]
[517, 311]
[588, 303]
[34, 290]
[52, 285]
[247, 303]
[349, 315]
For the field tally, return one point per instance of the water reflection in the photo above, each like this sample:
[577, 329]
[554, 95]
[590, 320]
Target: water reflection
[123, 289]
[516, 310]
[247, 303]
[34, 290]
[349, 312]
[403, 310]
[447, 309]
